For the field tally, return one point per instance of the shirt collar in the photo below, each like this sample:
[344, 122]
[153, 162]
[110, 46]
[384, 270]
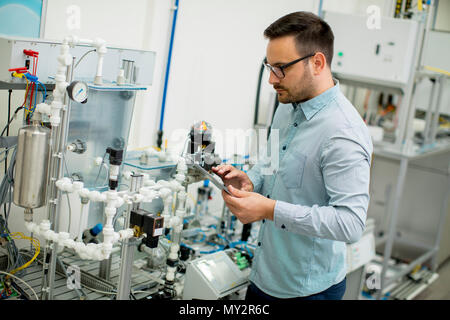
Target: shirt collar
[314, 105]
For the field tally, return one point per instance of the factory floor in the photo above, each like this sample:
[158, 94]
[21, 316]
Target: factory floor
[439, 289]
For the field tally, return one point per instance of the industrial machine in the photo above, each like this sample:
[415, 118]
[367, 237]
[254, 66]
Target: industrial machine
[107, 217]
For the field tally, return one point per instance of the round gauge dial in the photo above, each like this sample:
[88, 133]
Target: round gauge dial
[78, 91]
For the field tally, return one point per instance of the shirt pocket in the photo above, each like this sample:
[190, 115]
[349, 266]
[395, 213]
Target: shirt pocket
[293, 168]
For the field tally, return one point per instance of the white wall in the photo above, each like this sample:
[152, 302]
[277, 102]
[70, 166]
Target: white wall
[218, 50]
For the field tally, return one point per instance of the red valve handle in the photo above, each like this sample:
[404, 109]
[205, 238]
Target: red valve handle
[30, 53]
[19, 70]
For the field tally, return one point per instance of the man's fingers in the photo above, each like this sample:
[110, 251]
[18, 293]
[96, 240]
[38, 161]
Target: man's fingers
[224, 169]
[217, 168]
[230, 199]
[236, 192]
[231, 175]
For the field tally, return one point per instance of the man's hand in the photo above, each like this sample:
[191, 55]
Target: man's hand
[248, 206]
[232, 176]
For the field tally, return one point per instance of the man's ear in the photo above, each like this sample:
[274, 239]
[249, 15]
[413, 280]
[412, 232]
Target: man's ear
[318, 63]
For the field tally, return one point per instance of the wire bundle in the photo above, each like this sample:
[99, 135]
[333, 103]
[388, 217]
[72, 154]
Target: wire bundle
[37, 249]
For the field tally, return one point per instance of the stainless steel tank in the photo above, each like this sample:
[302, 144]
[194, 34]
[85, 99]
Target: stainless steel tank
[31, 169]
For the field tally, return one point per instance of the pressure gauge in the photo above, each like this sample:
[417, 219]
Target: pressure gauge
[78, 91]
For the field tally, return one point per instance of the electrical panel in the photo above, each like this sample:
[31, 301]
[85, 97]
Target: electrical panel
[215, 276]
[370, 54]
[12, 56]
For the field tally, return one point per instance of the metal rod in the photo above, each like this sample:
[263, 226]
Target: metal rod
[437, 110]
[393, 222]
[430, 108]
[55, 194]
[126, 263]
[444, 210]
[426, 36]
[128, 247]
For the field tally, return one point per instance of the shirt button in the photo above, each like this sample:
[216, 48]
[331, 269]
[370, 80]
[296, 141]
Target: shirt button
[284, 147]
[264, 220]
[259, 244]
[283, 226]
[295, 124]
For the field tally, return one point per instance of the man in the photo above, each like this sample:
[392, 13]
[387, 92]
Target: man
[316, 201]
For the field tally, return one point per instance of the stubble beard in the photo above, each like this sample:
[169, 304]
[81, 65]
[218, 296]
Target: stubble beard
[300, 93]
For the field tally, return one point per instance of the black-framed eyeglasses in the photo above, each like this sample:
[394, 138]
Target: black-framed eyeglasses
[278, 71]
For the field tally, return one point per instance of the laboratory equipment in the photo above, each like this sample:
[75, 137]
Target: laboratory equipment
[216, 275]
[32, 159]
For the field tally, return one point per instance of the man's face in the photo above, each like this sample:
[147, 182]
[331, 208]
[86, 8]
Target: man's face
[297, 85]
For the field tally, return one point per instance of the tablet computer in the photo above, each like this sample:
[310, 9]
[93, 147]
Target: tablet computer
[214, 179]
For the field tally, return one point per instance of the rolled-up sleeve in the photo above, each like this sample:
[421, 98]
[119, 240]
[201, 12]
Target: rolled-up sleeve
[345, 164]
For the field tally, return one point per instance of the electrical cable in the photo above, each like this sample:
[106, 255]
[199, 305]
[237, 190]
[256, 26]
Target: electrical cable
[6, 150]
[98, 291]
[258, 93]
[82, 57]
[10, 120]
[35, 242]
[7, 130]
[25, 283]
[100, 169]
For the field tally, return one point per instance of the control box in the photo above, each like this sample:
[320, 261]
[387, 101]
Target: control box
[215, 275]
[12, 56]
[379, 53]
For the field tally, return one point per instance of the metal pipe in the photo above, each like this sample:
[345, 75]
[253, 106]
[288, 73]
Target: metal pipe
[105, 269]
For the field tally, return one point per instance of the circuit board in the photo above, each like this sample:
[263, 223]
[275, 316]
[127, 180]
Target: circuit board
[8, 293]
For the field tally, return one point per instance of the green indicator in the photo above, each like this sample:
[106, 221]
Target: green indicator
[340, 53]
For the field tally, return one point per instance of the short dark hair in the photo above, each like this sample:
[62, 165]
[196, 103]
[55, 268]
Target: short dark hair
[312, 34]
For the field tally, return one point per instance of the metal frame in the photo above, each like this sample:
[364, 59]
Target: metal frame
[391, 239]
[403, 150]
[43, 18]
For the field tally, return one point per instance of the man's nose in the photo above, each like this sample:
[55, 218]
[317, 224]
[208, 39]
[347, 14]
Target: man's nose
[273, 79]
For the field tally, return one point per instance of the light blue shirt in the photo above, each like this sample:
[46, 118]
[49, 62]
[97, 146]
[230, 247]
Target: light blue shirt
[321, 190]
